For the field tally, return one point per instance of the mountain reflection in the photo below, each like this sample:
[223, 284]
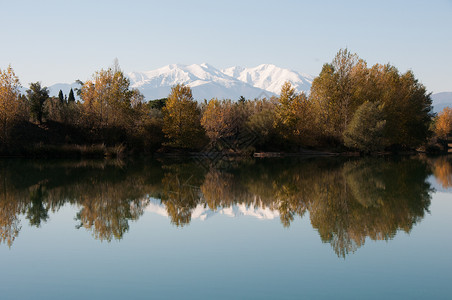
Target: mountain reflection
[347, 200]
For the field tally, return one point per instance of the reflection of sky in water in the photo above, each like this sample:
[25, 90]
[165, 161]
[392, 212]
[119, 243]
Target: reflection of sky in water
[438, 185]
[225, 258]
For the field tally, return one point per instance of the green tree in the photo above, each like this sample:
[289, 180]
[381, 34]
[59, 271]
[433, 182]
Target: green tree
[37, 95]
[61, 96]
[181, 119]
[406, 105]
[71, 97]
[37, 212]
[365, 132]
[157, 103]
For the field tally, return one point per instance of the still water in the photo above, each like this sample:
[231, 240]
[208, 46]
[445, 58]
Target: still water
[349, 228]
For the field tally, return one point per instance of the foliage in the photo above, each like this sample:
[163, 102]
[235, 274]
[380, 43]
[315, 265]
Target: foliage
[332, 92]
[36, 96]
[11, 108]
[71, 97]
[443, 124]
[181, 119]
[107, 99]
[158, 103]
[346, 83]
[61, 96]
[365, 132]
[261, 121]
[220, 119]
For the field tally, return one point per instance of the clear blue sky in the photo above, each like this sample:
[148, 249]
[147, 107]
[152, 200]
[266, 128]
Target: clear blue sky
[60, 41]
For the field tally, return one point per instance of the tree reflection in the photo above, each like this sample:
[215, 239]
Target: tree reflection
[348, 200]
[37, 212]
[442, 169]
[181, 192]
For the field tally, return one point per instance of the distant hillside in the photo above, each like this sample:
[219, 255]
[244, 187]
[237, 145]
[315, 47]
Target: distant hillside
[441, 100]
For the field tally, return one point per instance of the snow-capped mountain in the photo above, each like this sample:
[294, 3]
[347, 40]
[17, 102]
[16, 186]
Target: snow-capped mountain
[271, 78]
[203, 213]
[205, 80]
[208, 82]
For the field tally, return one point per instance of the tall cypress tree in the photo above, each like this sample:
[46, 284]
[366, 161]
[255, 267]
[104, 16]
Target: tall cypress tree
[71, 97]
[61, 96]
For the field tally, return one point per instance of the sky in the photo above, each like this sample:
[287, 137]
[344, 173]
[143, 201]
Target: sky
[61, 41]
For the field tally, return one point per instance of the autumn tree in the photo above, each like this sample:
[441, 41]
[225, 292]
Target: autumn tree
[346, 83]
[36, 96]
[285, 116]
[333, 94]
[181, 119]
[443, 124]
[10, 104]
[108, 105]
[222, 119]
[293, 116]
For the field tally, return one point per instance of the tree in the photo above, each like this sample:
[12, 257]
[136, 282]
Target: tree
[366, 130]
[181, 119]
[406, 105]
[61, 96]
[37, 95]
[219, 119]
[285, 116]
[71, 97]
[261, 121]
[443, 125]
[10, 104]
[157, 103]
[107, 99]
[293, 116]
[333, 93]
[347, 82]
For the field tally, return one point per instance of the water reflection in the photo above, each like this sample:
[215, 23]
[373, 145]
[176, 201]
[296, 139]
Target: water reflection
[347, 200]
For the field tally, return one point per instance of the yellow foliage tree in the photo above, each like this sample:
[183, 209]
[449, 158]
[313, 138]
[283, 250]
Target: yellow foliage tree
[108, 99]
[219, 119]
[443, 126]
[9, 101]
[181, 119]
[293, 115]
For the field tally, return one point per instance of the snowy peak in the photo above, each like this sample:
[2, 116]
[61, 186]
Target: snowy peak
[271, 78]
[205, 80]
[208, 82]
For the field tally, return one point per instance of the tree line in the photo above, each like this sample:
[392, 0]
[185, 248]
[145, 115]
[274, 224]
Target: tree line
[350, 107]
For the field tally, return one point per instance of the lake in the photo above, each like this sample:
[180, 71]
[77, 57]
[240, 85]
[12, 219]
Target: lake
[279, 228]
